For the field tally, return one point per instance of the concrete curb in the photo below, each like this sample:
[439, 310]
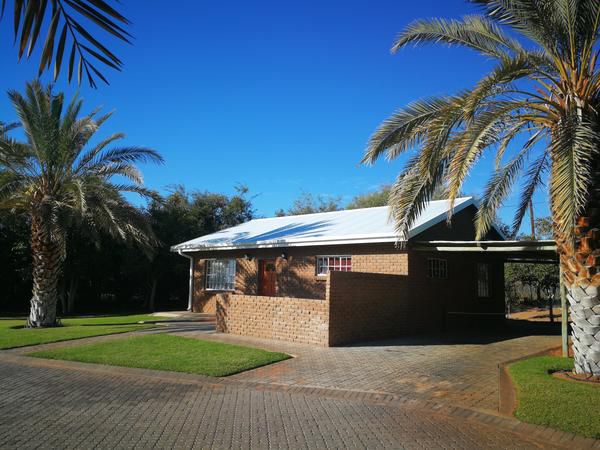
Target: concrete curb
[507, 394]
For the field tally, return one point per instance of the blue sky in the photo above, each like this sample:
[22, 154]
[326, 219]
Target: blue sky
[279, 96]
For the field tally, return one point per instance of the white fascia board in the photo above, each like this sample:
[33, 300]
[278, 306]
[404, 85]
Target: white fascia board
[360, 239]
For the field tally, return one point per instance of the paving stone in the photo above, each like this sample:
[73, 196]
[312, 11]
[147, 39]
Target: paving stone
[62, 407]
[458, 370]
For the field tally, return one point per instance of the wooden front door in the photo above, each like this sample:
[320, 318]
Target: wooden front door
[267, 277]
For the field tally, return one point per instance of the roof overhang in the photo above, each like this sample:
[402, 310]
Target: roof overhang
[343, 240]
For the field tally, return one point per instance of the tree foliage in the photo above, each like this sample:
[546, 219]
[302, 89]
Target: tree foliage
[308, 203]
[67, 31]
[371, 199]
[107, 276]
[59, 181]
[537, 110]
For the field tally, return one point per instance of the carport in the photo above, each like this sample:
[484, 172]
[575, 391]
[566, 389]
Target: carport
[539, 251]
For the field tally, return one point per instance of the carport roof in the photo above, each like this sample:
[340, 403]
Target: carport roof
[517, 251]
[355, 226]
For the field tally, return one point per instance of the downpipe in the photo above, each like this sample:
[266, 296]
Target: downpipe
[191, 281]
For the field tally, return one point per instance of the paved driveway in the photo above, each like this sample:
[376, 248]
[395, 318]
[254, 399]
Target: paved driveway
[455, 369]
[46, 404]
[323, 398]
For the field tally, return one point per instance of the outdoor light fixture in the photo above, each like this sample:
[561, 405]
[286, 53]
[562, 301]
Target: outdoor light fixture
[248, 257]
[284, 255]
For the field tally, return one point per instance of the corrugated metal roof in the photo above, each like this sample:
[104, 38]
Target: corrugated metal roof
[365, 225]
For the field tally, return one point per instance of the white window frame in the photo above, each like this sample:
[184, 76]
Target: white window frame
[437, 268]
[483, 283]
[336, 267]
[224, 281]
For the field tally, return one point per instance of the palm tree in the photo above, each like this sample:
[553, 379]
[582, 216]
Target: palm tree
[68, 26]
[543, 96]
[59, 182]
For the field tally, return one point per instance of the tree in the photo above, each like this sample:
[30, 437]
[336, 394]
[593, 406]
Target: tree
[538, 278]
[371, 199]
[59, 183]
[66, 24]
[182, 216]
[543, 228]
[308, 204]
[545, 88]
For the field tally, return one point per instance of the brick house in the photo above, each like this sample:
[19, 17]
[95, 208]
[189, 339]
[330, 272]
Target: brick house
[340, 277]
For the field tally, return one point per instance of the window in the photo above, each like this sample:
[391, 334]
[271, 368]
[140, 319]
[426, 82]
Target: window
[220, 274]
[326, 264]
[483, 280]
[437, 268]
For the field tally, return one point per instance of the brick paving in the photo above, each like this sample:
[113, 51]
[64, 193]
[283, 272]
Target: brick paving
[50, 404]
[454, 370]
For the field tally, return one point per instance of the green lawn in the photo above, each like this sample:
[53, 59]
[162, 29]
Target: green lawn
[167, 352]
[12, 333]
[548, 401]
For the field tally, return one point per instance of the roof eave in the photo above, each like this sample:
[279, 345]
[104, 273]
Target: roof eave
[288, 243]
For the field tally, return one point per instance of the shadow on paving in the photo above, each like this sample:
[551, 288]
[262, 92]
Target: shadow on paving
[473, 335]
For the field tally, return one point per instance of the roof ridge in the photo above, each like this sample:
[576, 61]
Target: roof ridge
[466, 197]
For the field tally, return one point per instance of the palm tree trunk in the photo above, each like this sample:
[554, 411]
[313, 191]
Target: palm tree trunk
[580, 263]
[47, 258]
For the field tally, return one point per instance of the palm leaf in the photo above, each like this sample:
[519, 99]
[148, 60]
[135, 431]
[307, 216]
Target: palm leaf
[79, 22]
[497, 189]
[475, 32]
[534, 179]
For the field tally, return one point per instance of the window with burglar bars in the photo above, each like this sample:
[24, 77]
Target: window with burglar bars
[326, 264]
[220, 274]
[483, 280]
[437, 268]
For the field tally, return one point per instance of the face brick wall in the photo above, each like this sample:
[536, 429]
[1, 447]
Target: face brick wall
[296, 274]
[283, 318]
[366, 306]
[387, 294]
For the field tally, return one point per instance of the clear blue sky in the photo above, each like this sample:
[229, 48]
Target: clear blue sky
[280, 96]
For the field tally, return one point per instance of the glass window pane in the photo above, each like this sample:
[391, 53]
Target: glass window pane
[326, 264]
[220, 274]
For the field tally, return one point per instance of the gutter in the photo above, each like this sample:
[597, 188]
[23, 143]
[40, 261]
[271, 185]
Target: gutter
[191, 282]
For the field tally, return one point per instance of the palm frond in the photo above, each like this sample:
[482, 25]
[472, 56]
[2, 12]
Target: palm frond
[573, 146]
[405, 128]
[410, 194]
[476, 32]
[537, 20]
[508, 70]
[497, 189]
[534, 179]
[68, 29]
[53, 177]
[89, 156]
[470, 143]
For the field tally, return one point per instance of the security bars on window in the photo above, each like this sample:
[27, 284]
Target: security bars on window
[437, 268]
[220, 274]
[326, 264]
[483, 280]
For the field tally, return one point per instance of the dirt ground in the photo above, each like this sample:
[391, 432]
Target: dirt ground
[537, 315]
